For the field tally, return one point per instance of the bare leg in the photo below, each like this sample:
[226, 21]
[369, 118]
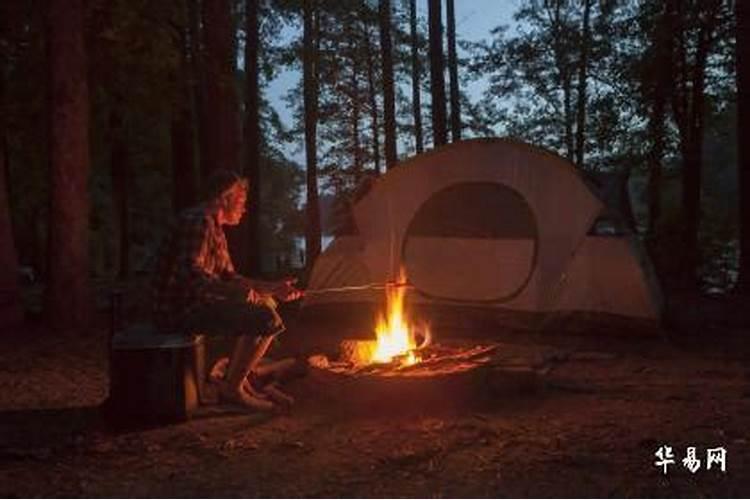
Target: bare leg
[245, 358]
[276, 369]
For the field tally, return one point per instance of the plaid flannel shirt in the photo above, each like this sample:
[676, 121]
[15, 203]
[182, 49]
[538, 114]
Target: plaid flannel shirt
[194, 269]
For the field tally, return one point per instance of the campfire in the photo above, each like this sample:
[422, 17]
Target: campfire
[402, 346]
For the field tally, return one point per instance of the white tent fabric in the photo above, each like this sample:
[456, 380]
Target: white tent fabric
[491, 223]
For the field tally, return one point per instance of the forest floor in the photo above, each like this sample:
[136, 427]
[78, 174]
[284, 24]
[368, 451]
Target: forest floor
[591, 430]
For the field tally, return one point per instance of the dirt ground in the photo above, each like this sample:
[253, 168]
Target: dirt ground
[604, 407]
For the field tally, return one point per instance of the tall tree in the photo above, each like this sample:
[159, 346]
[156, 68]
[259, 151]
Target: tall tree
[355, 99]
[389, 103]
[253, 137]
[310, 91]
[372, 100]
[10, 303]
[416, 79]
[198, 82]
[437, 73]
[742, 10]
[453, 72]
[583, 68]
[182, 126]
[221, 111]
[656, 95]
[68, 297]
[537, 68]
[120, 171]
[106, 57]
[221, 120]
[559, 31]
[696, 26]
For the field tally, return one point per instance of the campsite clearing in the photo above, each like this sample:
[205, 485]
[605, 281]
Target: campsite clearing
[609, 405]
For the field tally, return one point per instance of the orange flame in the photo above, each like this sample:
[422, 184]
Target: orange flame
[395, 337]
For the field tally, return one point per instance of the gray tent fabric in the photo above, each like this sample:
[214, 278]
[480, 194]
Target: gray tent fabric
[493, 224]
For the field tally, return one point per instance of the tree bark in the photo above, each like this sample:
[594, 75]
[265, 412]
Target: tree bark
[416, 79]
[437, 72]
[183, 158]
[221, 125]
[355, 106]
[310, 90]
[198, 85]
[68, 296]
[372, 97]
[567, 88]
[221, 117]
[582, 86]
[554, 13]
[662, 72]
[182, 126]
[688, 107]
[253, 139]
[11, 313]
[389, 102]
[743, 139]
[453, 72]
[119, 163]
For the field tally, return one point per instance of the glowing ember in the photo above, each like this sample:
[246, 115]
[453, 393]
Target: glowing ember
[395, 336]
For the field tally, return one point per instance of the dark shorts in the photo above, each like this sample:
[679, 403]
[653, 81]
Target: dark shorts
[227, 318]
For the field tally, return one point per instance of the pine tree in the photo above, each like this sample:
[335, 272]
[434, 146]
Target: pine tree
[182, 126]
[221, 120]
[311, 27]
[389, 105]
[695, 25]
[68, 296]
[742, 10]
[437, 74]
[583, 67]
[453, 71]
[10, 311]
[253, 138]
[416, 78]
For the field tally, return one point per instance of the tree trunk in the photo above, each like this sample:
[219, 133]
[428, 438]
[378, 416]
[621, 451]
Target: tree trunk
[437, 71]
[662, 62]
[221, 118]
[582, 84]
[416, 79]
[688, 107]
[68, 296]
[743, 139]
[183, 158]
[372, 97]
[310, 90]
[355, 104]
[221, 125]
[253, 139]
[656, 130]
[389, 103]
[182, 128]
[197, 82]
[554, 12]
[119, 163]
[453, 71]
[567, 88]
[11, 313]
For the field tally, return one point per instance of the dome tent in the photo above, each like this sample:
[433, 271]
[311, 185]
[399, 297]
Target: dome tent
[495, 226]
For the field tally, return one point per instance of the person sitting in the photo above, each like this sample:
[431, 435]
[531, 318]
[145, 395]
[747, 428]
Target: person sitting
[196, 289]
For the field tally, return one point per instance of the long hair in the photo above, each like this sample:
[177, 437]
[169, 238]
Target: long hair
[220, 181]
